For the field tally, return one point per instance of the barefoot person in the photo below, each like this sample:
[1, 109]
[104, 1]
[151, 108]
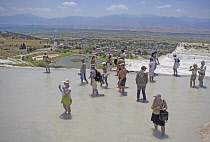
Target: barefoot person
[47, 62]
[155, 57]
[92, 77]
[176, 65]
[201, 73]
[194, 74]
[141, 82]
[122, 77]
[123, 55]
[105, 74]
[66, 96]
[157, 105]
[151, 69]
[109, 63]
[119, 61]
[93, 61]
[83, 71]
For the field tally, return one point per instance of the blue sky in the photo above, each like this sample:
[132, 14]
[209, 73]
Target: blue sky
[96, 8]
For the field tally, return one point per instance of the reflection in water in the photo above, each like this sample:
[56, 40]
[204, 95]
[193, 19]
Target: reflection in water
[65, 116]
[47, 80]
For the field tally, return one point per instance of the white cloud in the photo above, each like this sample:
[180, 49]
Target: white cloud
[2, 9]
[207, 10]
[18, 9]
[164, 6]
[143, 2]
[69, 3]
[77, 10]
[31, 9]
[179, 10]
[116, 7]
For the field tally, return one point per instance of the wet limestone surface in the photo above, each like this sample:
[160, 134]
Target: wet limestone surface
[30, 108]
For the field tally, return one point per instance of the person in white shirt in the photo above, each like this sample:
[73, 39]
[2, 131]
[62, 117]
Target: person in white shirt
[151, 69]
[176, 65]
[123, 54]
[201, 73]
[66, 96]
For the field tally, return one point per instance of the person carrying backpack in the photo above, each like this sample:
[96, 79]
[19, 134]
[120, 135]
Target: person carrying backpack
[93, 73]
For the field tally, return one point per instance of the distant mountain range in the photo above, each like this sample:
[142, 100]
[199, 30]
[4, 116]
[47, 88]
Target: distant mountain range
[111, 20]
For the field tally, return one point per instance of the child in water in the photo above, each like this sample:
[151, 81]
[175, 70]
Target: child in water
[66, 96]
[194, 74]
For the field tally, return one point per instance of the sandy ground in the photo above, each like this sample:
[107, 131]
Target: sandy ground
[30, 109]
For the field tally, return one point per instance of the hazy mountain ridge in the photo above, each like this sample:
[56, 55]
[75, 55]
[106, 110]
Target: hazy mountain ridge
[111, 20]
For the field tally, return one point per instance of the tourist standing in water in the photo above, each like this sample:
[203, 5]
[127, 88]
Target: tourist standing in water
[201, 73]
[93, 61]
[157, 105]
[47, 62]
[66, 96]
[119, 61]
[83, 71]
[92, 77]
[151, 69]
[122, 77]
[109, 63]
[105, 74]
[176, 65]
[155, 57]
[194, 74]
[141, 82]
[123, 55]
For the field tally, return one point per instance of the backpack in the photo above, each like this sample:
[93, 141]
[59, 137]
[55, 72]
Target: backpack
[98, 76]
[178, 60]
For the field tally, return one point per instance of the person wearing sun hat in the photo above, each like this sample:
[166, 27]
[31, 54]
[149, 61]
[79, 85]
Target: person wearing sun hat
[157, 105]
[141, 82]
[66, 96]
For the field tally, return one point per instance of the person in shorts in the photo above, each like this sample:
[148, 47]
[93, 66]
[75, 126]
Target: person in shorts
[176, 65]
[92, 77]
[66, 96]
[194, 70]
[122, 77]
[105, 74]
[47, 62]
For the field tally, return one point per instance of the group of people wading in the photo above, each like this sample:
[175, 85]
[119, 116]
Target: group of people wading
[142, 78]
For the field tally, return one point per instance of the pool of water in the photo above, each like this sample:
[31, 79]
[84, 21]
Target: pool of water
[30, 108]
[68, 63]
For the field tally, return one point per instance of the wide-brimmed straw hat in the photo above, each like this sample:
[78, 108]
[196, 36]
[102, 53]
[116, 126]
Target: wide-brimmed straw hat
[66, 81]
[158, 96]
